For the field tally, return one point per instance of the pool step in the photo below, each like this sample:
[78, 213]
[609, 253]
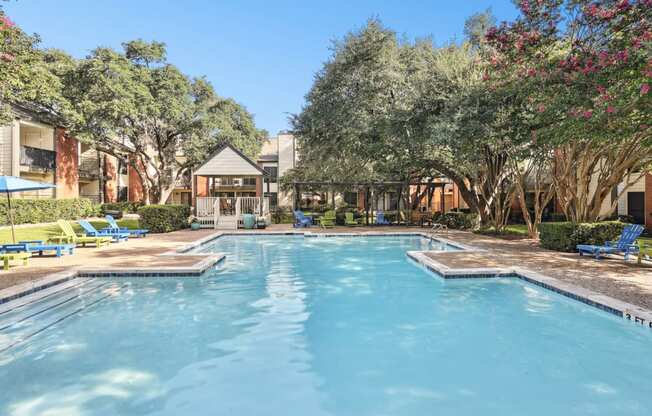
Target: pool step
[38, 306]
[42, 294]
[23, 323]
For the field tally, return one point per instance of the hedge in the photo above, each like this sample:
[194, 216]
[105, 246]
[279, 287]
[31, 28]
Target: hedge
[34, 211]
[130, 207]
[564, 236]
[456, 220]
[164, 218]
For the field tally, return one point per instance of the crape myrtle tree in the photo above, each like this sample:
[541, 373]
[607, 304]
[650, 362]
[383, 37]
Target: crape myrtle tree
[587, 68]
[136, 106]
[24, 75]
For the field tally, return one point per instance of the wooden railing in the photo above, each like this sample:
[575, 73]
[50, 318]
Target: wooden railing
[217, 207]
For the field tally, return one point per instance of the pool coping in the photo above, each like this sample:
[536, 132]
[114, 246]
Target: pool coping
[589, 297]
[194, 270]
[606, 303]
[211, 237]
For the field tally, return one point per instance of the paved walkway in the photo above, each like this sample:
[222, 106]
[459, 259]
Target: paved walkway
[625, 281]
[137, 252]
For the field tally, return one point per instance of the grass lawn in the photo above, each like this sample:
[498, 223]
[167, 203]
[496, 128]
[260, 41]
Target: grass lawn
[44, 232]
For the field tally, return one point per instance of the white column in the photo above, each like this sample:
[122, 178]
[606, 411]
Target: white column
[15, 148]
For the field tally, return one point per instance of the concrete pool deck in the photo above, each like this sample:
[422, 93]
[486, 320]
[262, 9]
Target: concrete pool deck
[625, 281]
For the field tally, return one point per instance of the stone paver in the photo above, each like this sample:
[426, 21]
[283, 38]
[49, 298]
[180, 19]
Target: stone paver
[137, 252]
[614, 277]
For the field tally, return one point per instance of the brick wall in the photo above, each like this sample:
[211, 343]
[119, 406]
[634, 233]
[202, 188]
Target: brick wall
[135, 186]
[67, 159]
[259, 186]
[111, 183]
[202, 186]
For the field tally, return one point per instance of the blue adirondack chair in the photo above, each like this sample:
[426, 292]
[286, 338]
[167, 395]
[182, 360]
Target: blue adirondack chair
[91, 231]
[301, 220]
[115, 228]
[380, 219]
[626, 244]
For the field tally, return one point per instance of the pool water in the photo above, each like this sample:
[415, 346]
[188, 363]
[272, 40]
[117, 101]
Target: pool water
[292, 325]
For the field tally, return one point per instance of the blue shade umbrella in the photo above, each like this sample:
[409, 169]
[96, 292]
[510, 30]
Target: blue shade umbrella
[9, 184]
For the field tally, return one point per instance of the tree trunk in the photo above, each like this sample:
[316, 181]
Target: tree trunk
[585, 172]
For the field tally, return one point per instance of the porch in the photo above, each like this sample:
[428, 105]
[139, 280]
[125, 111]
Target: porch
[228, 212]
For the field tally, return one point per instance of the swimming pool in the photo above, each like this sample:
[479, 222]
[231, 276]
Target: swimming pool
[291, 325]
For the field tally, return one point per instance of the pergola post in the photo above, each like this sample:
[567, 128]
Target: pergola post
[366, 205]
[295, 197]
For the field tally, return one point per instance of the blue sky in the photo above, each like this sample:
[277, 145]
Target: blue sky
[262, 53]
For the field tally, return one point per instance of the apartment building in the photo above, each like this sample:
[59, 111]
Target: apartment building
[278, 155]
[35, 147]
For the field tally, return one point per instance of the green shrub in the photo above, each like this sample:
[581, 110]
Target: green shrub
[456, 220]
[129, 207]
[34, 211]
[164, 218]
[564, 236]
[282, 215]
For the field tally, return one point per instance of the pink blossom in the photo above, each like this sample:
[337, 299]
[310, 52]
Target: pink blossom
[5, 21]
[611, 109]
[622, 55]
[541, 108]
[603, 58]
[7, 57]
[587, 114]
[645, 88]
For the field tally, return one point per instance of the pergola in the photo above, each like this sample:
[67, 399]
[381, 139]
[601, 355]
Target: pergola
[367, 186]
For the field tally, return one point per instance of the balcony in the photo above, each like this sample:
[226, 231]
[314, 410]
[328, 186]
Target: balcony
[89, 165]
[36, 159]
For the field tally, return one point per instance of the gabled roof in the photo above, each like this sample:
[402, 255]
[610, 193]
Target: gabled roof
[228, 161]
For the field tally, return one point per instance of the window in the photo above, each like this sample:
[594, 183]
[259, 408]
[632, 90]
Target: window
[351, 198]
[249, 182]
[272, 173]
[122, 167]
[123, 193]
[273, 198]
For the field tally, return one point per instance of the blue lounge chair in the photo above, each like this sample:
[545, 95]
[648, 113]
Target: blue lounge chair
[115, 228]
[301, 220]
[91, 231]
[38, 246]
[626, 244]
[380, 219]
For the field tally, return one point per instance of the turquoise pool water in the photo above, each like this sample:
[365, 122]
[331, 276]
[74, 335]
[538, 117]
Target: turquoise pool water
[320, 326]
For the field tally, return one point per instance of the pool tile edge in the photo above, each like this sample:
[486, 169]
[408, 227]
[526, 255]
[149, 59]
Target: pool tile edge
[605, 303]
[15, 292]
